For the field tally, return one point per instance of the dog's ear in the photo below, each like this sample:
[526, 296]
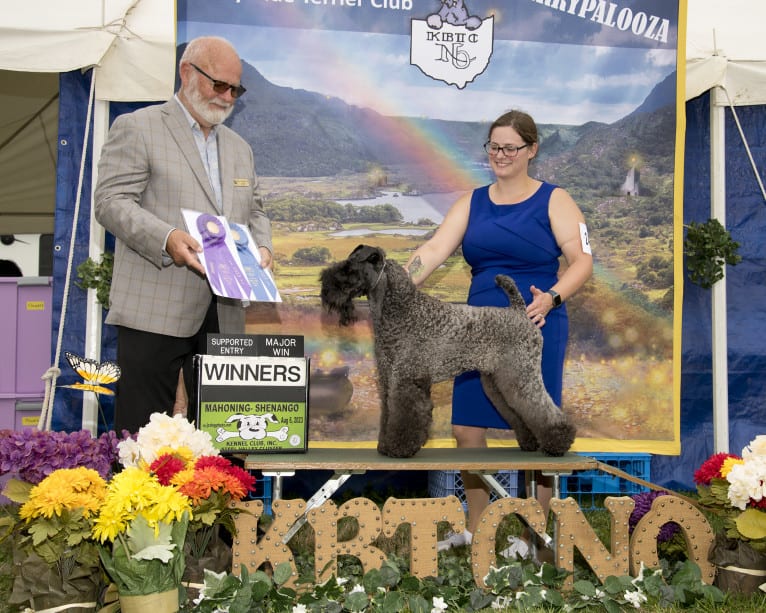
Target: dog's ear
[366, 253]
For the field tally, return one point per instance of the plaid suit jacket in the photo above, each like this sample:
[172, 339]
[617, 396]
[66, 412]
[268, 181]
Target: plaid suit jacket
[150, 168]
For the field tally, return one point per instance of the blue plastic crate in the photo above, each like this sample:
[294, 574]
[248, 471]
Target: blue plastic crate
[263, 491]
[443, 483]
[589, 487]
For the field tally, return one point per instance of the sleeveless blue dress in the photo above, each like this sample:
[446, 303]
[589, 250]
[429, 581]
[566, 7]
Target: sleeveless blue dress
[516, 240]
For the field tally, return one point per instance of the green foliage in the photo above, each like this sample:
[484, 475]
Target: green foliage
[656, 272]
[312, 255]
[708, 247]
[514, 586]
[97, 276]
[302, 209]
[145, 562]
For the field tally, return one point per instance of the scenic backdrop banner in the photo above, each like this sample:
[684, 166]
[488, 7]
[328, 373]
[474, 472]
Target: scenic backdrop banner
[367, 119]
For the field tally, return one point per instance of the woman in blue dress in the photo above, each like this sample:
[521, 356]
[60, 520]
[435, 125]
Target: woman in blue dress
[517, 226]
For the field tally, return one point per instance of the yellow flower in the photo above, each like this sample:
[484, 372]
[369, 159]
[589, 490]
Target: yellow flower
[134, 492]
[728, 464]
[65, 489]
[183, 453]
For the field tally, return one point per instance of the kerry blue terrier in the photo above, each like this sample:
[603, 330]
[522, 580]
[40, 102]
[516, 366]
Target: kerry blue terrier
[420, 340]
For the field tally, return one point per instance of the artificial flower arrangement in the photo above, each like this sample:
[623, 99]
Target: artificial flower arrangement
[734, 488]
[142, 525]
[31, 454]
[57, 558]
[58, 481]
[642, 505]
[179, 455]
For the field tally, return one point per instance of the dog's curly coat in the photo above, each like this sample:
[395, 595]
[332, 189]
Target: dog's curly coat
[420, 340]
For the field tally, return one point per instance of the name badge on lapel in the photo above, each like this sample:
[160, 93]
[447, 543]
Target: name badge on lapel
[241, 182]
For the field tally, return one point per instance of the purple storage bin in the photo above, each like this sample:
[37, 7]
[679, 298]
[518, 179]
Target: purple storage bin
[7, 412]
[26, 314]
[8, 306]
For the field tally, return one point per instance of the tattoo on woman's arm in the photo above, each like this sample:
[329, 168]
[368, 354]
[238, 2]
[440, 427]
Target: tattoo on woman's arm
[415, 267]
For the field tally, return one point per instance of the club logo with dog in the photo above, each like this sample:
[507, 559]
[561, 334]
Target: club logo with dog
[452, 45]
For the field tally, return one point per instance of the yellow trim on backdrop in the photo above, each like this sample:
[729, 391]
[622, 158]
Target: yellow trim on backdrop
[678, 224]
[582, 445]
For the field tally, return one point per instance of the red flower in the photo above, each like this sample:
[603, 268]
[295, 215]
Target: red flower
[166, 466]
[223, 464]
[216, 461]
[711, 468]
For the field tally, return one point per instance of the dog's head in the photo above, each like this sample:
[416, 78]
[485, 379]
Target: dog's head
[353, 277]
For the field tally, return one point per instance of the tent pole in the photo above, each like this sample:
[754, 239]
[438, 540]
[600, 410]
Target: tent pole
[719, 325]
[94, 311]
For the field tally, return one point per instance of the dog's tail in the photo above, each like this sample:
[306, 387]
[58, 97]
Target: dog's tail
[514, 296]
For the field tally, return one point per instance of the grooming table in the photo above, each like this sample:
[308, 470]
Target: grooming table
[345, 462]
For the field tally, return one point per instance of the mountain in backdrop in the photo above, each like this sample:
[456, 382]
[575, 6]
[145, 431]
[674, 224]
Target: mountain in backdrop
[298, 133]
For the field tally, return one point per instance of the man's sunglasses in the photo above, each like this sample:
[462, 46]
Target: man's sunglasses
[219, 87]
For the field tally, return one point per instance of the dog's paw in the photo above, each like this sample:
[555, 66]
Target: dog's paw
[527, 443]
[559, 439]
[397, 451]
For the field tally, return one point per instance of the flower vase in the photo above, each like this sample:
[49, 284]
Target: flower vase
[740, 569]
[162, 602]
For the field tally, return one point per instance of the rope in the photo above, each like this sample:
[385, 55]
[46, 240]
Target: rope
[744, 140]
[50, 376]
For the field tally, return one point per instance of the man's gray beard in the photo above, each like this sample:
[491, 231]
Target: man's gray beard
[203, 109]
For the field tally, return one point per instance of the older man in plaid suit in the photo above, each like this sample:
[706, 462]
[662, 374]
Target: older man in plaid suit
[156, 161]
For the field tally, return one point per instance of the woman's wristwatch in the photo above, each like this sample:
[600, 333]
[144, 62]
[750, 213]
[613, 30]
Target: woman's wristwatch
[556, 298]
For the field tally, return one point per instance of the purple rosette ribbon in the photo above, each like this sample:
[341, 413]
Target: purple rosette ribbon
[223, 273]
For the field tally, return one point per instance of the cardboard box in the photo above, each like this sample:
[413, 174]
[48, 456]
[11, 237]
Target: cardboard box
[252, 404]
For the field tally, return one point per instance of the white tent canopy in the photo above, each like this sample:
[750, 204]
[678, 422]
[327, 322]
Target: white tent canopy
[726, 55]
[131, 44]
[726, 47]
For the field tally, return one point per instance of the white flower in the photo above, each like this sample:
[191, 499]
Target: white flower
[501, 603]
[299, 608]
[746, 481]
[357, 588]
[164, 431]
[438, 605]
[341, 580]
[129, 452]
[757, 447]
[635, 598]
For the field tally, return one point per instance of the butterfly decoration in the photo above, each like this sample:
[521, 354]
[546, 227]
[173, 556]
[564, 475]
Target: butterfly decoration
[94, 375]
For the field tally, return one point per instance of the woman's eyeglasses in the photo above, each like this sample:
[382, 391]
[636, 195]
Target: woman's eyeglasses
[219, 87]
[510, 151]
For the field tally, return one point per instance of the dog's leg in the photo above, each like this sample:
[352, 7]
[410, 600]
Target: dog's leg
[526, 439]
[408, 419]
[526, 393]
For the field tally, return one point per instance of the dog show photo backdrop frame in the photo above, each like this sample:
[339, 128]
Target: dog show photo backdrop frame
[367, 122]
